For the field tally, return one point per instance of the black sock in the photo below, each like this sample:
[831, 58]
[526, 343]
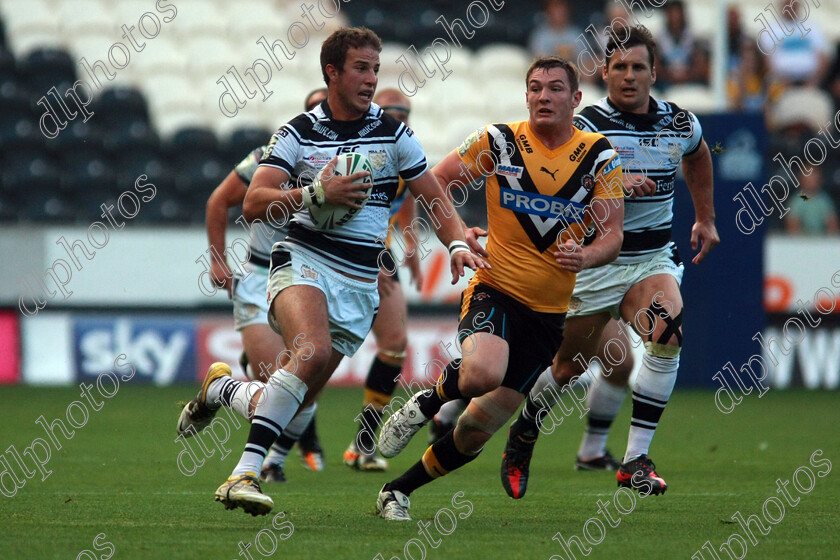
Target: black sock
[308, 439]
[382, 377]
[439, 459]
[371, 418]
[447, 390]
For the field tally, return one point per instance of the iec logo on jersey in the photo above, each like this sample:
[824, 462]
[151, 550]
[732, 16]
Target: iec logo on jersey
[542, 205]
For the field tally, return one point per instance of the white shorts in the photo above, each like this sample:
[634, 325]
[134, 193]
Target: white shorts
[250, 306]
[603, 288]
[352, 304]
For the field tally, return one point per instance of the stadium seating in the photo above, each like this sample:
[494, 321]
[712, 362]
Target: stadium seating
[162, 109]
[42, 69]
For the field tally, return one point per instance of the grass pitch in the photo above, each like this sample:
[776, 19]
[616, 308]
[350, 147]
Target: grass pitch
[118, 476]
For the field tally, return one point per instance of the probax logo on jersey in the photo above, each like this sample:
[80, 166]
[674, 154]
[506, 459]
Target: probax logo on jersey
[509, 170]
[542, 205]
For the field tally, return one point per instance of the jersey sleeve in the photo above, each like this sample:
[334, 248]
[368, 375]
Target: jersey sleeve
[247, 167]
[412, 159]
[691, 130]
[609, 175]
[582, 123]
[473, 148]
[283, 149]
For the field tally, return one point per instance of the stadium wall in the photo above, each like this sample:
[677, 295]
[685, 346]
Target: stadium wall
[64, 345]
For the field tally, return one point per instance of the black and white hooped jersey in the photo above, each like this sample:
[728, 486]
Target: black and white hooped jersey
[304, 145]
[263, 236]
[652, 144]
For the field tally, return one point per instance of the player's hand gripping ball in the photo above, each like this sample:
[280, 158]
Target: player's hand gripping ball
[330, 216]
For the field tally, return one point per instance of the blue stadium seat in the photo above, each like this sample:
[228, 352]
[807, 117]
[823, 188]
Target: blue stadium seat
[50, 208]
[137, 135]
[199, 175]
[194, 140]
[170, 208]
[8, 209]
[117, 107]
[242, 141]
[8, 66]
[88, 202]
[83, 174]
[14, 98]
[47, 67]
[27, 176]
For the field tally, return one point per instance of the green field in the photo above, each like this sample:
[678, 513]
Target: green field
[118, 476]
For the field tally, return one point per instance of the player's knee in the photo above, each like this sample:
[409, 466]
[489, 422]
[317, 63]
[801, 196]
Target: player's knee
[472, 433]
[393, 344]
[478, 383]
[313, 361]
[477, 380]
[563, 372]
[666, 333]
[621, 371]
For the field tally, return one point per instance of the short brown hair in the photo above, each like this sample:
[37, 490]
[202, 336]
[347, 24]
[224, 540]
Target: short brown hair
[639, 35]
[549, 62]
[334, 50]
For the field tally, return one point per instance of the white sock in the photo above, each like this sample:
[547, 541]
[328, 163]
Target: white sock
[280, 402]
[651, 392]
[544, 394]
[604, 403]
[234, 394]
[280, 448]
[451, 411]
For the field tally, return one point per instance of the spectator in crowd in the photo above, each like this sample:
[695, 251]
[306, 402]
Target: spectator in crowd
[799, 60]
[676, 45]
[700, 67]
[813, 211]
[735, 36]
[615, 15]
[557, 34]
[747, 80]
[832, 80]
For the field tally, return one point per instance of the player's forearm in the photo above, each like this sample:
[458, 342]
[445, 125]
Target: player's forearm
[604, 249]
[607, 244]
[216, 223]
[451, 225]
[699, 176]
[284, 202]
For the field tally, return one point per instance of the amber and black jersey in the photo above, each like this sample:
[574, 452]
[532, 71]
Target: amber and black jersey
[538, 197]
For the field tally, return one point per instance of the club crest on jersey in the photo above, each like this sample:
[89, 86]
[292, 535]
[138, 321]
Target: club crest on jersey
[270, 148]
[510, 170]
[378, 159]
[306, 272]
[587, 181]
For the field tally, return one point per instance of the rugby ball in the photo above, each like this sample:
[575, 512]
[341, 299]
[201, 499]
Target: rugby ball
[330, 216]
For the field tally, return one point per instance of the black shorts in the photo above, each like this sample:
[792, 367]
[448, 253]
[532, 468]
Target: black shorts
[389, 263]
[533, 338]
